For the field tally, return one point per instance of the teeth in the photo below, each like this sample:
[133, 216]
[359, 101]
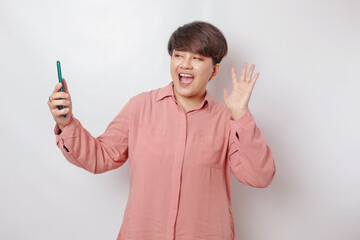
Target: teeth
[185, 75]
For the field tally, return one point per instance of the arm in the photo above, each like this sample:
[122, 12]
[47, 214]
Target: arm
[251, 160]
[96, 155]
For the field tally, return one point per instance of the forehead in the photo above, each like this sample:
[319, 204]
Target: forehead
[189, 52]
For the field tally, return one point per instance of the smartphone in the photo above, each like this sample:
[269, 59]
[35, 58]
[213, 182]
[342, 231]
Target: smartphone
[60, 80]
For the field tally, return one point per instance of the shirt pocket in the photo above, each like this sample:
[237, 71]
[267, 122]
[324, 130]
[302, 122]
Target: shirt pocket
[209, 151]
[150, 144]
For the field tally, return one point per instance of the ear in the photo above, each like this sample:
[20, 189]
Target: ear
[216, 69]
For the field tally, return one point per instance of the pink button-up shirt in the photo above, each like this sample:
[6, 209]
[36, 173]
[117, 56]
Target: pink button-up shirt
[180, 164]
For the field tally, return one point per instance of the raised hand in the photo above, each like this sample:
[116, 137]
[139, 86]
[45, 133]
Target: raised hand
[238, 100]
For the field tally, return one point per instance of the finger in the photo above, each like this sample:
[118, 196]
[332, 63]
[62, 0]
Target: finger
[57, 87]
[243, 72]
[233, 75]
[59, 95]
[60, 102]
[61, 112]
[55, 97]
[226, 93]
[249, 75]
[255, 77]
[57, 104]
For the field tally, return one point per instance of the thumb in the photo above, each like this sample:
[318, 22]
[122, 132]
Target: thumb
[65, 86]
[226, 93]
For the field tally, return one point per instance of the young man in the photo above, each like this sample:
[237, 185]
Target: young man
[182, 145]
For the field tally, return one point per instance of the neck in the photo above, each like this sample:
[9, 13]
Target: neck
[189, 103]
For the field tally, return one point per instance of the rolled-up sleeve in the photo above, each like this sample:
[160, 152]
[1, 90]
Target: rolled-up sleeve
[251, 159]
[96, 155]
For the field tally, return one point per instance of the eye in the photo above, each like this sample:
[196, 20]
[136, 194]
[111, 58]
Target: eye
[198, 58]
[177, 54]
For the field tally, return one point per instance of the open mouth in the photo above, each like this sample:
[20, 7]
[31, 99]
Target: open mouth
[185, 78]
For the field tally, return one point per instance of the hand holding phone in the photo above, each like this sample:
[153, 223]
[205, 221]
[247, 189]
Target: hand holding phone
[60, 103]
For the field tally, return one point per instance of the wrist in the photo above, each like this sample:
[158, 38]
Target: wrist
[238, 113]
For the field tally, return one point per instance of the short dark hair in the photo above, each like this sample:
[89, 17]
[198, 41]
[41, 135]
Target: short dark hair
[199, 37]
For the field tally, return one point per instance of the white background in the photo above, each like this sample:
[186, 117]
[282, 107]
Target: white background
[305, 102]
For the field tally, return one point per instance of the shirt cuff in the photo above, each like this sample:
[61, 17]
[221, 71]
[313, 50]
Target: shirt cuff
[67, 131]
[243, 121]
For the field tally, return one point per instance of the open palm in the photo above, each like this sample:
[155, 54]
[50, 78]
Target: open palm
[239, 98]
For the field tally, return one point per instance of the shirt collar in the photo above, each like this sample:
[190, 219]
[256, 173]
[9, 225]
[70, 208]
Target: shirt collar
[168, 91]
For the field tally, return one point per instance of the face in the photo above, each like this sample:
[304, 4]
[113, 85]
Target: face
[190, 73]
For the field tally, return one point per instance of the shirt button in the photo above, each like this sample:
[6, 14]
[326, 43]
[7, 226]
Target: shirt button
[164, 131]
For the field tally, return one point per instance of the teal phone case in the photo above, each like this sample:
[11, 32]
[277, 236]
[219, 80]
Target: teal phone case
[60, 79]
